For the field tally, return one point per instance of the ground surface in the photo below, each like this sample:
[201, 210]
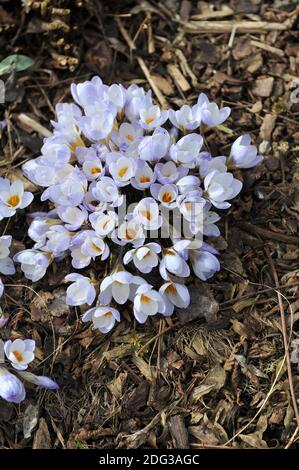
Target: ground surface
[216, 375]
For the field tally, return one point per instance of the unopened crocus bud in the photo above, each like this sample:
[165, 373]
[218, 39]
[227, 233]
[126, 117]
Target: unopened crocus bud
[39, 380]
[11, 388]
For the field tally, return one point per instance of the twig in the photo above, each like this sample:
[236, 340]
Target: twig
[154, 339]
[34, 125]
[265, 233]
[142, 64]
[285, 335]
[203, 27]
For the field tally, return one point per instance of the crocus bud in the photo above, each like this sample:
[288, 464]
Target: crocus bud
[11, 388]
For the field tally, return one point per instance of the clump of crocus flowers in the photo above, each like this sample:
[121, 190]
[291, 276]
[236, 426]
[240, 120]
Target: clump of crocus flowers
[121, 175]
[132, 188]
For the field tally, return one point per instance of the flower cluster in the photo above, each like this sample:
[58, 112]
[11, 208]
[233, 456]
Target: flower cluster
[19, 353]
[122, 177]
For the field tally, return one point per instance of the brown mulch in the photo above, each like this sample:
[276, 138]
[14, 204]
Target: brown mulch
[218, 375]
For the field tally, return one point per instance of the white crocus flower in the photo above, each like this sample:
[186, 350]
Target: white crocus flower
[81, 291]
[147, 302]
[144, 175]
[166, 194]
[103, 318]
[20, 352]
[210, 114]
[174, 295]
[73, 217]
[93, 169]
[34, 263]
[216, 163]
[186, 150]
[130, 231]
[6, 263]
[220, 187]
[145, 258]
[152, 116]
[122, 170]
[94, 246]
[117, 286]
[103, 224]
[13, 197]
[173, 263]
[106, 190]
[147, 212]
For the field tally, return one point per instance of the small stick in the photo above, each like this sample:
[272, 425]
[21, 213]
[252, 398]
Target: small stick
[203, 27]
[284, 334]
[266, 47]
[34, 125]
[265, 233]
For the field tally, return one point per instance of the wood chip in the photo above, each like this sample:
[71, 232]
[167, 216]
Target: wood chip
[268, 126]
[178, 78]
[163, 84]
[179, 432]
[263, 87]
[42, 439]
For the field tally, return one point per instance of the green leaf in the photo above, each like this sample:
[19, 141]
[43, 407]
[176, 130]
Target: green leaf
[17, 62]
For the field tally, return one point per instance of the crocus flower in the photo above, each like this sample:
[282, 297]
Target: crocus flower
[152, 117]
[220, 187]
[243, 154]
[174, 264]
[81, 291]
[206, 166]
[166, 194]
[13, 197]
[147, 212]
[211, 115]
[153, 148]
[186, 150]
[117, 286]
[103, 318]
[169, 173]
[174, 295]
[204, 262]
[106, 190]
[103, 224]
[11, 388]
[137, 99]
[147, 302]
[127, 138]
[3, 318]
[6, 263]
[144, 176]
[73, 217]
[186, 117]
[99, 125]
[188, 183]
[145, 258]
[58, 240]
[34, 263]
[130, 231]
[19, 352]
[122, 170]
[39, 380]
[93, 169]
